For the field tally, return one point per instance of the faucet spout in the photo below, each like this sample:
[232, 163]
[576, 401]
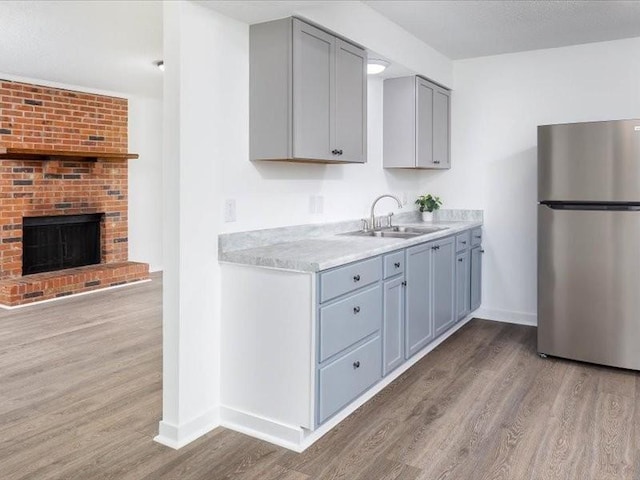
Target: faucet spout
[373, 208]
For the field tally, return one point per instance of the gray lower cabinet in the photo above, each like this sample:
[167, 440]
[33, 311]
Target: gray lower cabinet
[417, 119]
[308, 94]
[376, 313]
[463, 284]
[343, 380]
[393, 324]
[443, 285]
[349, 334]
[476, 277]
[418, 313]
[345, 322]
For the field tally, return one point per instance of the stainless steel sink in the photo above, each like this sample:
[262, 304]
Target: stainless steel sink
[396, 232]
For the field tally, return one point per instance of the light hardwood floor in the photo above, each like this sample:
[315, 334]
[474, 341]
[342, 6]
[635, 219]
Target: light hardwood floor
[80, 398]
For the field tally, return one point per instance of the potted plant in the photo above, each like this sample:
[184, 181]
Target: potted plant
[428, 204]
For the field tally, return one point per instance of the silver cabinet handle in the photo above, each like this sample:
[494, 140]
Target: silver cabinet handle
[356, 364]
[356, 278]
[356, 310]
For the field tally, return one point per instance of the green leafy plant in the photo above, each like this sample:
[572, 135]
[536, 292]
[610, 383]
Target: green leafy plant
[428, 203]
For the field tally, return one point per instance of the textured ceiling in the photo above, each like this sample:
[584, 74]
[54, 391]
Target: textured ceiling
[106, 45]
[464, 29]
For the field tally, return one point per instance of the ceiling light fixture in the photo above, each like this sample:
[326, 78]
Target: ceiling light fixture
[160, 65]
[376, 66]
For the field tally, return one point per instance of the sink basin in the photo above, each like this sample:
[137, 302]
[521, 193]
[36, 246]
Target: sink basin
[418, 230]
[396, 232]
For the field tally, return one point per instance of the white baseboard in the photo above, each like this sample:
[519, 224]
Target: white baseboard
[263, 428]
[177, 436]
[505, 316]
[299, 439]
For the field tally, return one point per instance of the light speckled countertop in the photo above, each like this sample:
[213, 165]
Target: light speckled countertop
[323, 247]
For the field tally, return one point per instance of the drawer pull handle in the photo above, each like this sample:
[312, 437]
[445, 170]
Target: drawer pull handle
[477, 236]
[464, 243]
[404, 284]
[481, 251]
[397, 264]
[356, 364]
[356, 278]
[356, 310]
[459, 259]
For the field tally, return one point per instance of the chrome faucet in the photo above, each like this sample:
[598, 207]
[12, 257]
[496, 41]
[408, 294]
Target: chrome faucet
[372, 225]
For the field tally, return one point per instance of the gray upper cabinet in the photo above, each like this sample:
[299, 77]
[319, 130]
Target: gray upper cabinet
[417, 116]
[313, 72]
[424, 124]
[351, 103]
[308, 94]
[441, 127]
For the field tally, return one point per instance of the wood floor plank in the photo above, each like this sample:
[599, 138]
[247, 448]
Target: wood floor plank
[80, 398]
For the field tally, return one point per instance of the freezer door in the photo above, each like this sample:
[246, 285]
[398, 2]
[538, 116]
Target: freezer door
[594, 161]
[589, 285]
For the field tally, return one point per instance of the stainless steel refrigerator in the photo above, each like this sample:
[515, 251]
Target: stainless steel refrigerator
[589, 242]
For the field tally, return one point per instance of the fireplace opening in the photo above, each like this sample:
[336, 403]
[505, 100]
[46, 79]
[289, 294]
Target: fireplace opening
[59, 242]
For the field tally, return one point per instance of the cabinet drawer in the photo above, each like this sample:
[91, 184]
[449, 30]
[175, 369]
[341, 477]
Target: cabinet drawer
[393, 264]
[463, 241]
[476, 236]
[345, 379]
[349, 278]
[349, 320]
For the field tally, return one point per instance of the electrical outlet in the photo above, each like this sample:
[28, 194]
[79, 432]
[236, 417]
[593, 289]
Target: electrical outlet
[229, 210]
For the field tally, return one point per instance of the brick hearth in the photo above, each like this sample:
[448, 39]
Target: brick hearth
[45, 286]
[38, 117]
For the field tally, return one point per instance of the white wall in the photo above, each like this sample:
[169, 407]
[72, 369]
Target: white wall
[498, 103]
[270, 194]
[204, 125]
[145, 181]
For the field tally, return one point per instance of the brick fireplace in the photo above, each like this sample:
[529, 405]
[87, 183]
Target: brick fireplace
[57, 121]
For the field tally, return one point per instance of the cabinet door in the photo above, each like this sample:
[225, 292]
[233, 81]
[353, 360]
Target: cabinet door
[350, 103]
[393, 319]
[443, 285]
[463, 289]
[476, 277]
[418, 323]
[313, 83]
[424, 123]
[441, 128]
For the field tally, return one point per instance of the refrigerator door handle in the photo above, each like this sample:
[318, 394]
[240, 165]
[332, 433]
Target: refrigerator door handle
[618, 207]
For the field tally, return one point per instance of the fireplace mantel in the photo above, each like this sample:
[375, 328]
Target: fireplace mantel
[45, 155]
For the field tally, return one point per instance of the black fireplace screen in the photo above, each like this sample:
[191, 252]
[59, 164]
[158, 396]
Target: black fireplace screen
[59, 242]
